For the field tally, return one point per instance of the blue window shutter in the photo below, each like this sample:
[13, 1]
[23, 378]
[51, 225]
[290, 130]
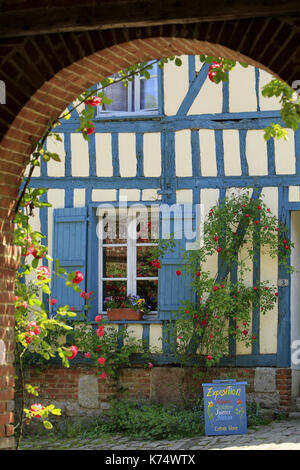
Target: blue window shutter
[69, 247]
[173, 289]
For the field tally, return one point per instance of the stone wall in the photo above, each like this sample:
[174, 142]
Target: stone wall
[79, 391]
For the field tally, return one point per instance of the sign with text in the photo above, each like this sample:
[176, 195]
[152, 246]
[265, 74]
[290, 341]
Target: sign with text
[225, 407]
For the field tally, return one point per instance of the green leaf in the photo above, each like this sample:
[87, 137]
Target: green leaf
[55, 157]
[47, 424]
[46, 289]
[178, 61]
[35, 263]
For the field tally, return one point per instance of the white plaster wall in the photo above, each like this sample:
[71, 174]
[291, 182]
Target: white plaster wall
[242, 95]
[155, 337]
[80, 155]
[207, 145]
[295, 297]
[152, 154]
[294, 193]
[176, 83]
[209, 100]
[256, 153]
[269, 272]
[285, 159]
[232, 159]
[267, 104]
[79, 197]
[127, 154]
[104, 195]
[56, 168]
[104, 166]
[183, 153]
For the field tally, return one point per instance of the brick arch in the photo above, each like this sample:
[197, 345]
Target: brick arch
[43, 74]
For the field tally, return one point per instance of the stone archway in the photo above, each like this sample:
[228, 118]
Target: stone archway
[43, 73]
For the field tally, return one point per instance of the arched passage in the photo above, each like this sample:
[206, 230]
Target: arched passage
[44, 73]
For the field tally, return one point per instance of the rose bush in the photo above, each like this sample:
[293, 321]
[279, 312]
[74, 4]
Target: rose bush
[235, 229]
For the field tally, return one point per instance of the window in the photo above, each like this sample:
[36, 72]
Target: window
[141, 96]
[127, 243]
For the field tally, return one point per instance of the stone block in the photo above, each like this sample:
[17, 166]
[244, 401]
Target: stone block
[88, 391]
[265, 379]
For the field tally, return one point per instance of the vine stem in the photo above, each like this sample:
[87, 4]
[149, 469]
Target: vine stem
[21, 422]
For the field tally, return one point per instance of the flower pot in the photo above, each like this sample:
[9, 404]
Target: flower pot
[124, 314]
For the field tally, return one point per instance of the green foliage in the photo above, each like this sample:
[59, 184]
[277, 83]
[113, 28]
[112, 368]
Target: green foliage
[234, 229]
[112, 346]
[146, 420]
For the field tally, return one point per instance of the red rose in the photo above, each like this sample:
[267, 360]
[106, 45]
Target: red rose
[245, 332]
[198, 273]
[99, 331]
[35, 408]
[90, 130]
[209, 358]
[93, 101]
[53, 301]
[150, 365]
[215, 288]
[259, 207]
[43, 273]
[219, 249]
[216, 238]
[78, 277]
[74, 351]
[101, 360]
[178, 272]
[37, 254]
[87, 355]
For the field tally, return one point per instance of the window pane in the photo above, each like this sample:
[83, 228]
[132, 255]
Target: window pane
[114, 229]
[148, 290]
[147, 227]
[119, 94]
[113, 289]
[148, 98]
[144, 266]
[115, 261]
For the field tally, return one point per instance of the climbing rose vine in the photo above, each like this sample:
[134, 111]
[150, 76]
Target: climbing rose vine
[234, 230]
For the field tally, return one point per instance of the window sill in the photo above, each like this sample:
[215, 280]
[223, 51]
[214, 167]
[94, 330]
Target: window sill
[129, 117]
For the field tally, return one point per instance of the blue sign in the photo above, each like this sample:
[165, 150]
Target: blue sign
[225, 407]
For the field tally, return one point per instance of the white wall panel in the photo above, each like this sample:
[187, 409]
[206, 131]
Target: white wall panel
[208, 160]
[242, 95]
[232, 158]
[80, 155]
[152, 154]
[256, 153]
[183, 153]
[127, 155]
[176, 83]
[104, 165]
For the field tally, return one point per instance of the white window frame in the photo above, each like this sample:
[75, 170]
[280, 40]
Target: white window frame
[137, 101]
[131, 246]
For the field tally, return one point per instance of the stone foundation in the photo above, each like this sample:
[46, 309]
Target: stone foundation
[79, 391]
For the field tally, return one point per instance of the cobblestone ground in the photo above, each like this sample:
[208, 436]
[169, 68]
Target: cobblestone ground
[278, 435]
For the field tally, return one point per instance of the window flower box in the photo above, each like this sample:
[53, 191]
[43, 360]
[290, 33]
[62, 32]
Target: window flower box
[124, 314]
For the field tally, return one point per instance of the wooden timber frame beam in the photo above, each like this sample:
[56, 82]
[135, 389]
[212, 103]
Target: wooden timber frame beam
[46, 17]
